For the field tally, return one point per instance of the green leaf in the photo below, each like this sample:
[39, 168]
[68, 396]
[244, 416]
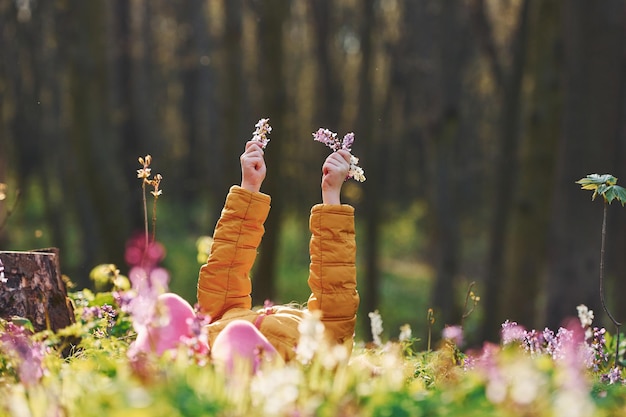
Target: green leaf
[23, 322]
[609, 194]
[596, 179]
[604, 185]
[620, 193]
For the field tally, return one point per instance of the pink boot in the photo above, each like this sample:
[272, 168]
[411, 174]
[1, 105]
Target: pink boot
[160, 339]
[242, 344]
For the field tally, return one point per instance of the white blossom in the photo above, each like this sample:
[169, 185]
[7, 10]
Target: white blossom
[585, 315]
[376, 323]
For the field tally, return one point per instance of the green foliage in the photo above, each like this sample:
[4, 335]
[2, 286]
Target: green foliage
[604, 185]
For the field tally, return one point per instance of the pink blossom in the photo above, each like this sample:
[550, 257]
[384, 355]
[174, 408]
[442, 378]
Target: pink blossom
[454, 334]
[512, 332]
[137, 254]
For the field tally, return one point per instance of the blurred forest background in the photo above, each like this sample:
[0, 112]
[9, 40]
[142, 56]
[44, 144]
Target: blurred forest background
[473, 119]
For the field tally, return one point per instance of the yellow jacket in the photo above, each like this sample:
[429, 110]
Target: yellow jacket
[224, 285]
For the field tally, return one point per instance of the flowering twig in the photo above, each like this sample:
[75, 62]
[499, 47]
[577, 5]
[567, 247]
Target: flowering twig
[469, 296]
[331, 140]
[144, 174]
[155, 182]
[430, 319]
[263, 129]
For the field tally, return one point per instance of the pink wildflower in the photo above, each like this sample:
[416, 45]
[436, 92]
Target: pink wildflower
[330, 139]
[263, 129]
[137, 254]
[512, 332]
[454, 334]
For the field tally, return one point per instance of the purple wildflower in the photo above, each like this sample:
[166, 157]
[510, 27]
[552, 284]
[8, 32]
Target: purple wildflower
[512, 332]
[146, 288]
[555, 344]
[533, 342]
[17, 345]
[347, 142]
[614, 376]
[105, 311]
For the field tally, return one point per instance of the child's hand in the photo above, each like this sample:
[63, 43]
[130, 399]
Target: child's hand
[252, 167]
[334, 173]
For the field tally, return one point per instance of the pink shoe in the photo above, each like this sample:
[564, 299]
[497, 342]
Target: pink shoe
[160, 339]
[241, 341]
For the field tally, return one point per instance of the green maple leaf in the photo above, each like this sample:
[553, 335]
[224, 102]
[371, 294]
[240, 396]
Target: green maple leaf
[604, 185]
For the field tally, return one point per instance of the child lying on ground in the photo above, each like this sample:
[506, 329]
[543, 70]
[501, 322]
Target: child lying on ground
[224, 285]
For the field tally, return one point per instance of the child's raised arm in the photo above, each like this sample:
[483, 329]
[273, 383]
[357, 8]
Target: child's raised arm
[224, 281]
[334, 173]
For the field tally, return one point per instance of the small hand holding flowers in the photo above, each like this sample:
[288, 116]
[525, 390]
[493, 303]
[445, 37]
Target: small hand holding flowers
[330, 139]
[253, 168]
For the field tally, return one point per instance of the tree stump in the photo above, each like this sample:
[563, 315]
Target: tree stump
[34, 289]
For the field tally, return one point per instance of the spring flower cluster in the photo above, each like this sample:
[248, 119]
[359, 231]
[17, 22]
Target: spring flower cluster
[529, 373]
[263, 129]
[21, 355]
[331, 140]
[144, 174]
[587, 345]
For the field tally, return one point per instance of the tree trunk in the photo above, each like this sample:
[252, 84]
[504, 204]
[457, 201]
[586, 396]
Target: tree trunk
[273, 104]
[594, 46]
[443, 136]
[525, 250]
[371, 206]
[35, 290]
[231, 96]
[197, 82]
[505, 174]
[329, 94]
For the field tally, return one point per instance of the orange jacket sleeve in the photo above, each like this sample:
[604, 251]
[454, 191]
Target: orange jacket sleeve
[224, 281]
[332, 273]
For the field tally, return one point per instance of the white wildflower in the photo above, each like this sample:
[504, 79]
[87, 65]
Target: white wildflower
[336, 355]
[276, 391]
[311, 334]
[405, 333]
[585, 315]
[376, 323]
[355, 170]
[3, 279]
